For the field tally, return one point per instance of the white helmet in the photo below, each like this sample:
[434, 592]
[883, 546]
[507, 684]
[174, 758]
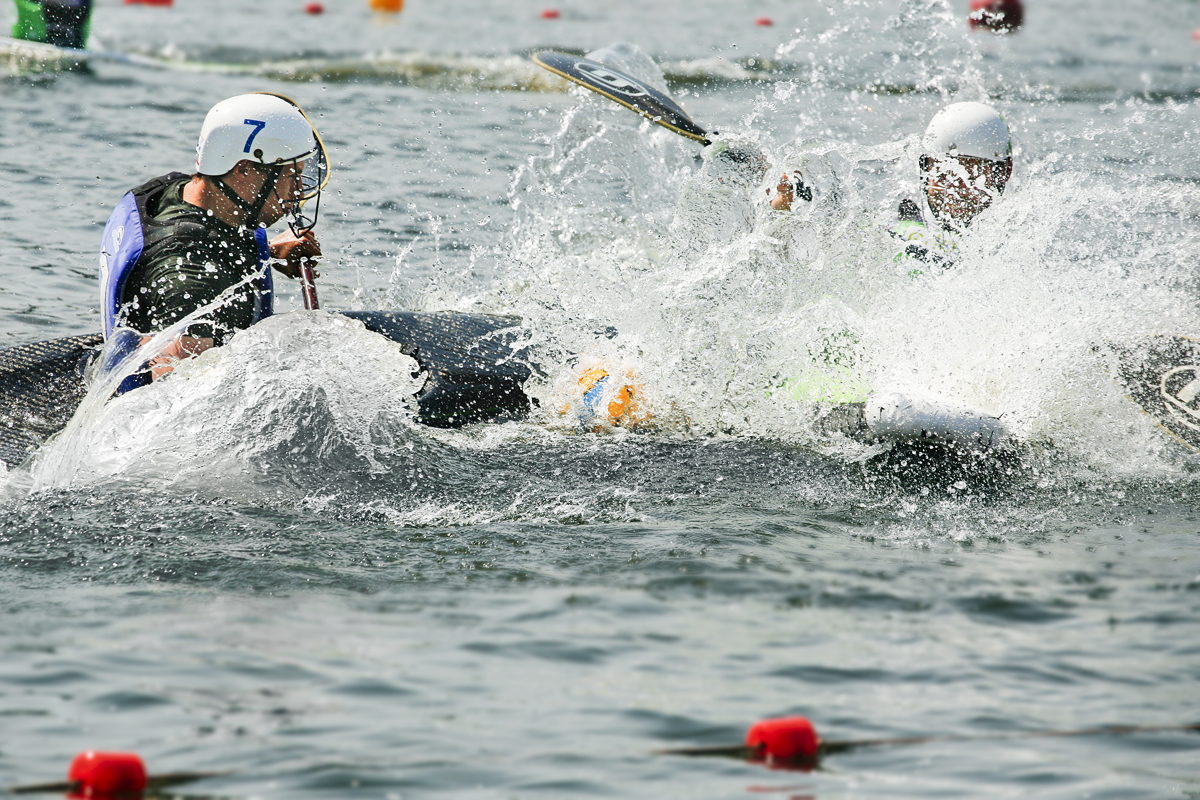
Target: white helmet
[968, 129]
[265, 128]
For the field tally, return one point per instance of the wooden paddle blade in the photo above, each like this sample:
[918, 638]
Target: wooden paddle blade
[624, 89]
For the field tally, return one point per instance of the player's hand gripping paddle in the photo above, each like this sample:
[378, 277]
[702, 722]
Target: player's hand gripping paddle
[626, 90]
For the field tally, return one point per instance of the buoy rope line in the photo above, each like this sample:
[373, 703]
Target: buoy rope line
[783, 743]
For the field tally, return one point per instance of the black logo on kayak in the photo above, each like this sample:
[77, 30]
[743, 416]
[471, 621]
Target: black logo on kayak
[613, 80]
[1179, 388]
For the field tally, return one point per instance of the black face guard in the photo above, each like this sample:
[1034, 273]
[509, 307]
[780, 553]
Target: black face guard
[312, 180]
[994, 170]
[300, 219]
[801, 190]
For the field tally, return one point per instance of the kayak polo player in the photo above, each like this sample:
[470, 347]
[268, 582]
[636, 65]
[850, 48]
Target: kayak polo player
[180, 243]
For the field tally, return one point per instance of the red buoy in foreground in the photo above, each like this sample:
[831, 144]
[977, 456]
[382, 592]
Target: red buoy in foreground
[998, 16]
[149, 2]
[107, 776]
[764, 22]
[785, 742]
[550, 13]
[314, 8]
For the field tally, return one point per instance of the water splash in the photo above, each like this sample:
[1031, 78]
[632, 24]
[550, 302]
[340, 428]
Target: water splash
[308, 391]
[630, 250]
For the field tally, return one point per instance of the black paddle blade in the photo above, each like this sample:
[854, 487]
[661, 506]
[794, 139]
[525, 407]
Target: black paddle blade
[624, 89]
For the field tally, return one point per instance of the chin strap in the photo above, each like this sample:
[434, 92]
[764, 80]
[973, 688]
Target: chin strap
[252, 210]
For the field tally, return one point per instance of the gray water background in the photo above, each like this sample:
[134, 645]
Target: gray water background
[343, 604]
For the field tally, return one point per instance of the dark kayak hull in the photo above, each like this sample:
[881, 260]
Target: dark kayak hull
[475, 372]
[475, 367]
[41, 385]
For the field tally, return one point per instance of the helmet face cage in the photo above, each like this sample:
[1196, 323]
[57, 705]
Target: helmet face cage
[970, 168]
[312, 178]
[302, 220]
[315, 174]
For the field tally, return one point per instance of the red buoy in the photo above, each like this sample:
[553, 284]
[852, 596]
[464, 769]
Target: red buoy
[784, 742]
[764, 21]
[163, 3]
[107, 776]
[550, 13]
[314, 8]
[998, 16]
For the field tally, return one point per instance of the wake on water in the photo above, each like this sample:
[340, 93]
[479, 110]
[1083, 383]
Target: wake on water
[630, 250]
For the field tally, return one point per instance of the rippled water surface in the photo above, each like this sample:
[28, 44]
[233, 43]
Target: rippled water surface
[263, 567]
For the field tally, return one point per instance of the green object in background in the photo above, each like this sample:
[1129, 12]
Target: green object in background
[62, 26]
[30, 24]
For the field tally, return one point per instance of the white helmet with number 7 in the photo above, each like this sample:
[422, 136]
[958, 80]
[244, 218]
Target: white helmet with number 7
[264, 128]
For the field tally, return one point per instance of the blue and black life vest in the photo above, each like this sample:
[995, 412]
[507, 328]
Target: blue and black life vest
[133, 234]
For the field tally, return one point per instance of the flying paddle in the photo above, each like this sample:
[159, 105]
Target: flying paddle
[625, 89]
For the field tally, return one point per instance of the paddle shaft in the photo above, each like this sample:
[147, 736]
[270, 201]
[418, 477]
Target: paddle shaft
[308, 286]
